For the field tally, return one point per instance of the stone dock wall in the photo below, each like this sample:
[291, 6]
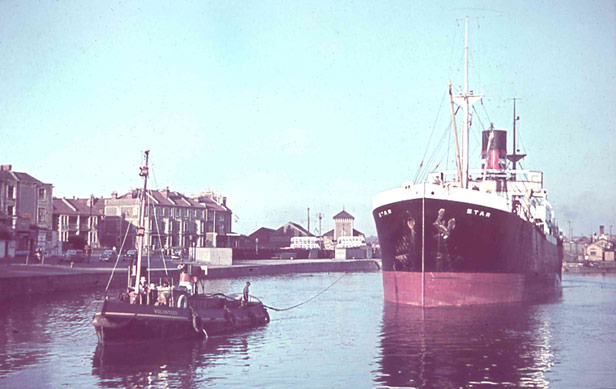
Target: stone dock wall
[29, 281]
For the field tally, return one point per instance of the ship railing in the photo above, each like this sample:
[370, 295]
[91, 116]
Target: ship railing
[533, 176]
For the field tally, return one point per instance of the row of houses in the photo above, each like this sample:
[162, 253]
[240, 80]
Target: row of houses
[596, 247]
[31, 218]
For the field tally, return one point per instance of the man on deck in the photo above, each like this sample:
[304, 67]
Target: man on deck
[245, 295]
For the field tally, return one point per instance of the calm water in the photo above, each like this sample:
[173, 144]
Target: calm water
[346, 338]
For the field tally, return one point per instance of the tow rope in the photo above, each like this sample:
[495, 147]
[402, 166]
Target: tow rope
[304, 302]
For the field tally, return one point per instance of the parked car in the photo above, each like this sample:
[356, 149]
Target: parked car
[108, 255]
[129, 254]
[177, 254]
[75, 256]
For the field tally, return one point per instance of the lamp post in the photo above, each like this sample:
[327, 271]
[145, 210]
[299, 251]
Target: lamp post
[90, 230]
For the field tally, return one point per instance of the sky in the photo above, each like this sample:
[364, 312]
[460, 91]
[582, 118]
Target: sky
[287, 105]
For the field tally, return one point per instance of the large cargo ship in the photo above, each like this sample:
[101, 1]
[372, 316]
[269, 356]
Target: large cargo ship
[468, 237]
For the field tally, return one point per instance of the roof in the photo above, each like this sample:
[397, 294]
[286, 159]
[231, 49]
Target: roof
[297, 226]
[282, 231]
[344, 215]
[260, 231]
[355, 233]
[176, 199]
[23, 177]
[63, 206]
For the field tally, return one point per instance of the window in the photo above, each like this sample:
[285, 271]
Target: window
[10, 210]
[593, 252]
[42, 193]
[41, 215]
[10, 192]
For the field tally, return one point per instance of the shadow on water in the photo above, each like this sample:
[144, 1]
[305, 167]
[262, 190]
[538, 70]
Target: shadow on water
[508, 346]
[175, 364]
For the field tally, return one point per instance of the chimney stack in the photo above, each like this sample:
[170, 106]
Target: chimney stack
[601, 230]
[6, 168]
[114, 195]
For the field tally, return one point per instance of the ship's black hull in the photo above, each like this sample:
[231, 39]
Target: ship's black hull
[118, 322]
[471, 254]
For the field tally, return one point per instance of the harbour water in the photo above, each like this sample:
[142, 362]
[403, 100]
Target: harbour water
[345, 338]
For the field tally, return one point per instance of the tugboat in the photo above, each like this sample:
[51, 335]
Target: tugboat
[470, 237]
[148, 312]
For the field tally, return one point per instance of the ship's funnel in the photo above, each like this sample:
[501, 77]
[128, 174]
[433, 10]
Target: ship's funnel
[494, 149]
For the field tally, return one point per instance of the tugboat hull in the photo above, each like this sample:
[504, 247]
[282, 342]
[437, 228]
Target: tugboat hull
[121, 322]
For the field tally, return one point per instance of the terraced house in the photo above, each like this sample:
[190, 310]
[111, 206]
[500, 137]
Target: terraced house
[25, 213]
[78, 219]
[173, 220]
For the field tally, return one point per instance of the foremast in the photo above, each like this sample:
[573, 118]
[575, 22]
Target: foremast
[141, 228]
[465, 100]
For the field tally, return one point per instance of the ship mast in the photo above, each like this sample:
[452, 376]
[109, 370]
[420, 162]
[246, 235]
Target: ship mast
[141, 228]
[466, 101]
[515, 157]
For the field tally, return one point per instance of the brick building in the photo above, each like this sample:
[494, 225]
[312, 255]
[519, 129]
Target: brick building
[25, 213]
[173, 220]
[78, 218]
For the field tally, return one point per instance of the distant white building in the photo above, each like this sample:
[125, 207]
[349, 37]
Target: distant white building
[351, 242]
[305, 242]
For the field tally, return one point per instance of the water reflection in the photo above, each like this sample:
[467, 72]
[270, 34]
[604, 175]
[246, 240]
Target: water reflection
[167, 364]
[144, 365]
[29, 328]
[457, 347]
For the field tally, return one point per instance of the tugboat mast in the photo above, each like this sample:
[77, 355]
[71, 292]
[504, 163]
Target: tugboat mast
[141, 229]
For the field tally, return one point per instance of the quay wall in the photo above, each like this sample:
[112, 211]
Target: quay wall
[589, 267]
[317, 266]
[26, 281]
[37, 283]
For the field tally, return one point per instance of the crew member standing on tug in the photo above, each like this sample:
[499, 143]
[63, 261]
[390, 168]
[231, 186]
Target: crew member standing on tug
[246, 296]
[185, 279]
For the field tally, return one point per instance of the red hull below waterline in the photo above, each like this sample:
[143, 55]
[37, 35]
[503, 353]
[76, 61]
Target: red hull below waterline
[438, 289]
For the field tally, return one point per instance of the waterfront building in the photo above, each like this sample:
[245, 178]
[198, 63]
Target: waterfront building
[600, 248]
[343, 227]
[25, 213]
[78, 220]
[269, 239]
[174, 221]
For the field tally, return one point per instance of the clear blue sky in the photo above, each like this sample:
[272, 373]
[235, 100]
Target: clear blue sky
[287, 105]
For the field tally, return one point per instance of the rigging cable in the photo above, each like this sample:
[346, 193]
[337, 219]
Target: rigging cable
[433, 157]
[160, 240]
[421, 165]
[148, 212]
[157, 228]
[117, 259]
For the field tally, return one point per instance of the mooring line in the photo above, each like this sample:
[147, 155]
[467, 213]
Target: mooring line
[304, 302]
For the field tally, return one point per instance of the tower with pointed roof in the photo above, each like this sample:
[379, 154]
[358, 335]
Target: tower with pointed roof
[343, 225]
